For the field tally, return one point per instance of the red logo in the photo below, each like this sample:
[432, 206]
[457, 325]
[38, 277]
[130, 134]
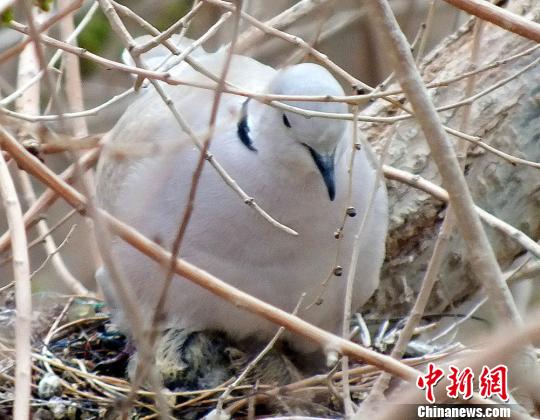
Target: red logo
[461, 382]
[492, 382]
[429, 380]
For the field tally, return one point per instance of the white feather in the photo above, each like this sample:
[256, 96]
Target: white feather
[226, 237]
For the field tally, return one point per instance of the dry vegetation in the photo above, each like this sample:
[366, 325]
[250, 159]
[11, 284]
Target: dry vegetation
[60, 355]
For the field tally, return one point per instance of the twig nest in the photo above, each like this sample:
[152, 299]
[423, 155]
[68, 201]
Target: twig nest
[49, 386]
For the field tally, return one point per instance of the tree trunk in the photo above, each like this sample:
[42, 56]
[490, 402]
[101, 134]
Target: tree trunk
[508, 119]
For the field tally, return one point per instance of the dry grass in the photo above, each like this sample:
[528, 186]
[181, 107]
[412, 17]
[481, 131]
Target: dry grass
[81, 354]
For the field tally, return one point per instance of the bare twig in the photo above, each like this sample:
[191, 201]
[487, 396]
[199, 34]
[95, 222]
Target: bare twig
[54, 252]
[481, 254]
[163, 36]
[49, 196]
[74, 95]
[38, 240]
[253, 36]
[351, 99]
[29, 102]
[500, 17]
[429, 26]
[204, 151]
[23, 301]
[13, 51]
[82, 24]
[423, 184]
[440, 248]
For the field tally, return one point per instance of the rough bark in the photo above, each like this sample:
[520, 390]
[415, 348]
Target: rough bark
[507, 119]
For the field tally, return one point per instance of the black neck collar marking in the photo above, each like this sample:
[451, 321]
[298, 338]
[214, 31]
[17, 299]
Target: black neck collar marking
[243, 128]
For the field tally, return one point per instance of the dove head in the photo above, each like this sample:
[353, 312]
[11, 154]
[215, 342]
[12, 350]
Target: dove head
[314, 139]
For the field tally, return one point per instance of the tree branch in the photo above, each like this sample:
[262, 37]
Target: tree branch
[500, 17]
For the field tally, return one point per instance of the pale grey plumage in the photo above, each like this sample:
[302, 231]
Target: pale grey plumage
[226, 237]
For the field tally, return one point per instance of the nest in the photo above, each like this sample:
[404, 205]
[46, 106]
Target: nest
[81, 359]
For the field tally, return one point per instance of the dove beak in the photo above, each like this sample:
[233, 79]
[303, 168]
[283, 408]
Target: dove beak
[325, 164]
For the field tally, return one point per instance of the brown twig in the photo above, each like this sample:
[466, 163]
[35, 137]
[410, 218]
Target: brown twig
[440, 248]
[500, 17]
[29, 103]
[481, 254]
[82, 24]
[45, 200]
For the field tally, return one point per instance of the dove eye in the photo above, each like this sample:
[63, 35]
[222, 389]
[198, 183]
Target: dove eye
[286, 121]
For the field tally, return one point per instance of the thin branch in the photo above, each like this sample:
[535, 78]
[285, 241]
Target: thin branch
[45, 200]
[23, 300]
[350, 99]
[29, 102]
[441, 244]
[481, 254]
[500, 17]
[416, 181]
[298, 42]
[253, 36]
[31, 164]
[166, 43]
[82, 24]
[39, 239]
[247, 302]
[353, 266]
[55, 252]
[195, 182]
[13, 51]
[75, 99]
[428, 27]
[163, 36]
[146, 370]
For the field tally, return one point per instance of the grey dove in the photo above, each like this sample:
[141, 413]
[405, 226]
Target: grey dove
[295, 167]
